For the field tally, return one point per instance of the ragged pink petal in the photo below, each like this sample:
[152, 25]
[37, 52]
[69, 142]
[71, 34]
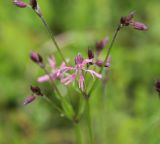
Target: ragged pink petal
[52, 62]
[86, 61]
[81, 82]
[93, 73]
[68, 79]
[44, 78]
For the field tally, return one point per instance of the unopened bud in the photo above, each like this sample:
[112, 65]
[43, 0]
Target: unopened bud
[36, 58]
[157, 86]
[33, 3]
[90, 54]
[36, 7]
[20, 3]
[139, 26]
[125, 21]
[36, 90]
[29, 99]
[100, 63]
[101, 44]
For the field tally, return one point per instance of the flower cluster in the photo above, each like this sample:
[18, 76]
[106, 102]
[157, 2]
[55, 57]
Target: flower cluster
[99, 47]
[72, 72]
[33, 4]
[128, 20]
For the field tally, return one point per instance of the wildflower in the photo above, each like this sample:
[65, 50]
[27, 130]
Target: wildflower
[128, 20]
[55, 73]
[157, 86]
[29, 99]
[78, 69]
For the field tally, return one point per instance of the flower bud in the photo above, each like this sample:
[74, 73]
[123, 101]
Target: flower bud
[36, 7]
[33, 3]
[20, 3]
[90, 54]
[125, 21]
[35, 57]
[101, 44]
[139, 26]
[157, 86]
[100, 63]
[29, 99]
[36, 90]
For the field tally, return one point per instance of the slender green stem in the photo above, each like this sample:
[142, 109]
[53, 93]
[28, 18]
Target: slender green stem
[53, 38]
[89, 123]
[54, 86]
[78, 133]
[108, 53]
[53, 104]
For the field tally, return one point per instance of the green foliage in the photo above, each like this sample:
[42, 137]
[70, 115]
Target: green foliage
[125, 111]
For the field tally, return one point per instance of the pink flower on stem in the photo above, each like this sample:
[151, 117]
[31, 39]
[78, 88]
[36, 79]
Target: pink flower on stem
[128, 20]
[78, 69]
[55, 73]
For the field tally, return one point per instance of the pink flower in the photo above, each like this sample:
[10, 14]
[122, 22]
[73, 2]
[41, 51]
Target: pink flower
[55, 73]
[78, 69]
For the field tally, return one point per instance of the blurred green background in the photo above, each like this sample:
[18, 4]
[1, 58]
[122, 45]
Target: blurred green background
[132, 108]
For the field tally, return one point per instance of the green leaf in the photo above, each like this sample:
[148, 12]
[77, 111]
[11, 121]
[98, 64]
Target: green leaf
[68, 109]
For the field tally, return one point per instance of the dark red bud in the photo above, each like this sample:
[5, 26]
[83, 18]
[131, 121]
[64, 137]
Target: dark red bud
[33, 4]
[36, 90]
[36, 58]
[157, 86]
[101, 44]
[36, 7]
[29, 99]
[90, 54]
[125, 21]
[100, 63]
